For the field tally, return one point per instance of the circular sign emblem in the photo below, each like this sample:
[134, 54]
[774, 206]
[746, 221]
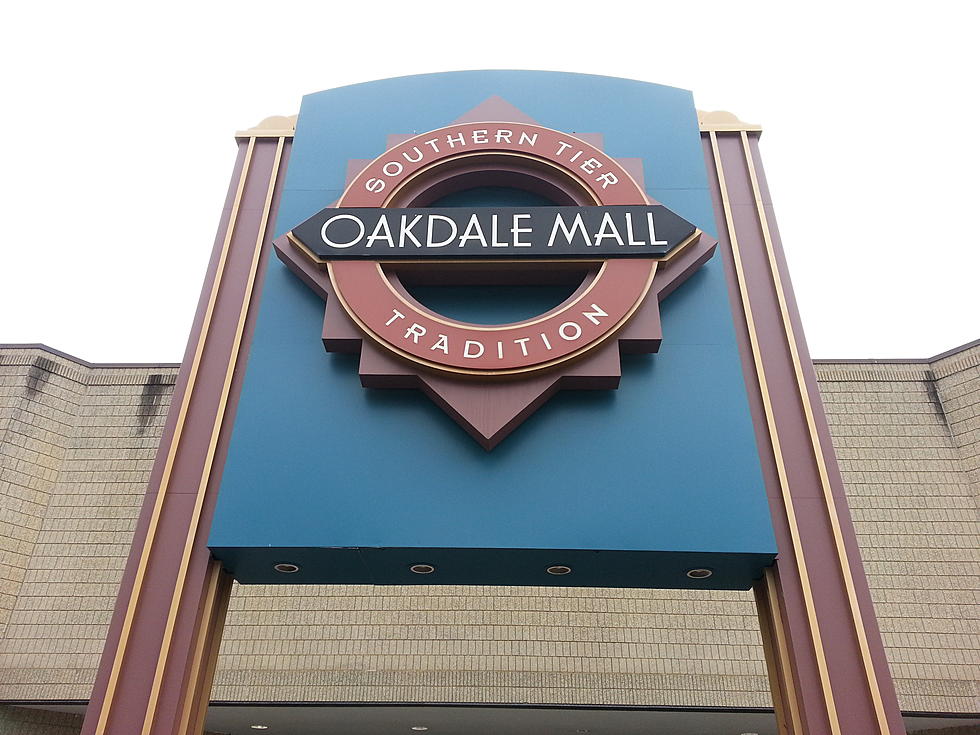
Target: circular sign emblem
[423, 168]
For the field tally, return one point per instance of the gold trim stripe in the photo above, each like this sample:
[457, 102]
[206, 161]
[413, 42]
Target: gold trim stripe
[200, 646]
[781, 652]
[720, 121]
[777, 677]
[151, 531]
[202, 697]
[818, 454]
[821, 658]
[209, 459]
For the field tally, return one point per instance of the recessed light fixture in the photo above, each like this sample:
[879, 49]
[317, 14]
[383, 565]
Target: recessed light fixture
[419, 728]
[699, 573]
[259, 727]
[422, 569]
[558, 570]
[286, 568]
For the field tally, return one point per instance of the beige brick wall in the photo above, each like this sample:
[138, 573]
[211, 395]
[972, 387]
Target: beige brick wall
[67, 587]
[37, 412]
[482, 644]
[914, 508]
[958, 387]
[909, 463]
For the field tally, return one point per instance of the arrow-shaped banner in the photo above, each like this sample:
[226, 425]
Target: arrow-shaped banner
[508, 232]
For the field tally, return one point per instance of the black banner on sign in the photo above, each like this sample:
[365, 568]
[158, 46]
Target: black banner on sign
[509, 232]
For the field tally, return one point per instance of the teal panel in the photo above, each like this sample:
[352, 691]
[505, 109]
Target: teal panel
[630, 487]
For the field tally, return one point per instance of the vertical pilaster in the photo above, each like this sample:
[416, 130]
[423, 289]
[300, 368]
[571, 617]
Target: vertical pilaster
[154, 677]
[841, 677]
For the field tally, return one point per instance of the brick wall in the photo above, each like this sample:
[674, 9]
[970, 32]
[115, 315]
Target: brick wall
[913, 502]
[81, 444]
[957, 379]
[37, 413]
[103, 426]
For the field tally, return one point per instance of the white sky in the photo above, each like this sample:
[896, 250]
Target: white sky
[117, 129]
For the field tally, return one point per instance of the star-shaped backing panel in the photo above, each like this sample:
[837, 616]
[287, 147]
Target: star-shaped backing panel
[491, 409]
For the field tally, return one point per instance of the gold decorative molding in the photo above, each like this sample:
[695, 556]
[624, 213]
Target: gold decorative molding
[277, 126]
[818, 453]
[108, 702]
[720, 121]
[796, 541]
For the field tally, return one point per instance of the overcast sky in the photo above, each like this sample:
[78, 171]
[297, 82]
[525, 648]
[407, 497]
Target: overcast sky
[118, 122]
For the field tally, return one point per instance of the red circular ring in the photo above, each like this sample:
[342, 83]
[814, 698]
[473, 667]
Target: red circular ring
[422, 336]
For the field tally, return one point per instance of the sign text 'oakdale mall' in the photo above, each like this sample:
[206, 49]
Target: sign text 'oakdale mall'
[564, 232]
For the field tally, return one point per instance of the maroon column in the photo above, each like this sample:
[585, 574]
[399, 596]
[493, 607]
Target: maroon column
[840, 676]
[156, 640]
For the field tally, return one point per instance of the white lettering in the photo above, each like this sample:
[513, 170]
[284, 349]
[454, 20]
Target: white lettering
[433, 144]
[576, 331]
[476, 345]
[441, 344]
[590, 165]
[453, 139]
[562, 146]
[429, 242]
[395, 314]
[607, 230]
[516, 231]
[382, 225]
[415, 331]
[544, 338]
[406, 231]
[493, 233]
[577, 226]
[480, 136]
[331, 243]
[653, 232]
[607, 179]
[471, 226]
[629, 231]
[389, 171]
[374, 185]
[409, 158]
[523, 343]
[531, 140]
[592, 316]
[503, 135]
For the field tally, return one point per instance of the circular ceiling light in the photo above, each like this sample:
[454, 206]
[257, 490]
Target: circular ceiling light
[284, 567]
[422, 569]
[559, 570]
[259, 727]
[699, 573]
